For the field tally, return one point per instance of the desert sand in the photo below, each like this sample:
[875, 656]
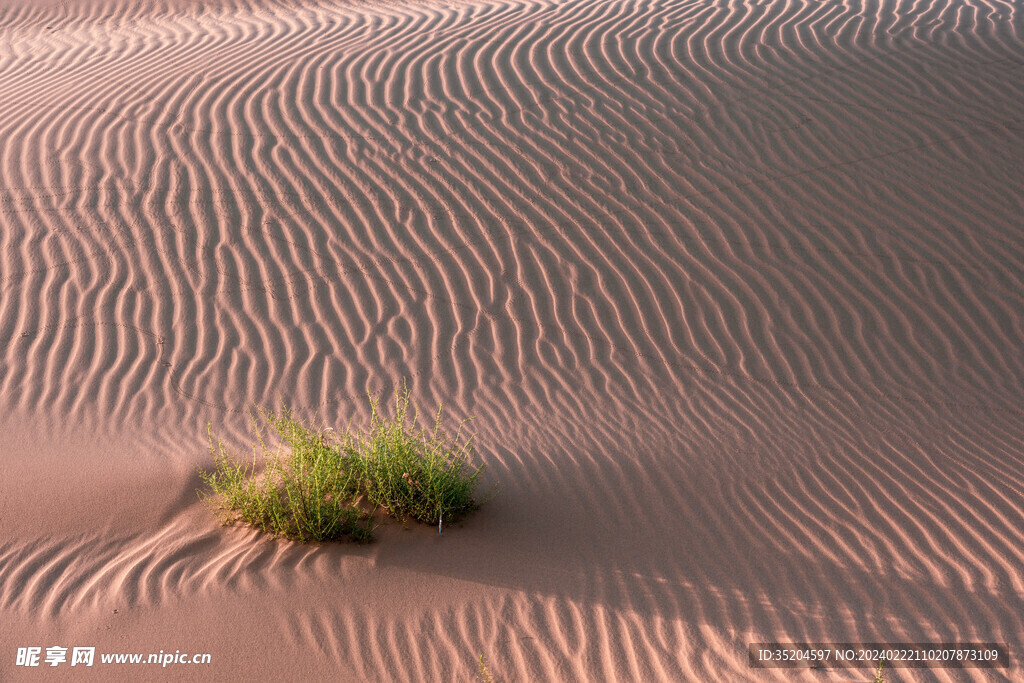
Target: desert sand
[733, 290]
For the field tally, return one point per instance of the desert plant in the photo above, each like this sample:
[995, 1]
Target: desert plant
[309, 496]
[242, 495]
[422, 474]
[320, 489]
[880, 674]
[484, 673]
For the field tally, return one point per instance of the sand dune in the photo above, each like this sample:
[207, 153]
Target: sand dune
[734, 290]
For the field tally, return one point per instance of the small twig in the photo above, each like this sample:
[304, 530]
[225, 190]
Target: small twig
[880, 674]
[484, 672]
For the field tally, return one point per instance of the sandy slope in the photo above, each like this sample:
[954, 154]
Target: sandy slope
[734, 290]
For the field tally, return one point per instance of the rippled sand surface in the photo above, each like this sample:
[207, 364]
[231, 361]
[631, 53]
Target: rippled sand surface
[735, 291]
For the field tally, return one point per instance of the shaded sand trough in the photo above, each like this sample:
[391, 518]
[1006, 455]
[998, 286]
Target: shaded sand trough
[734, 290]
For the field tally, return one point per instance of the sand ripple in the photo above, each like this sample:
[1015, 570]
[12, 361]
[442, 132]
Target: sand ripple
[738, 286]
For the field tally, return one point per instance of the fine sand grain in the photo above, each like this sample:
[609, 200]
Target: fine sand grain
[735, 291]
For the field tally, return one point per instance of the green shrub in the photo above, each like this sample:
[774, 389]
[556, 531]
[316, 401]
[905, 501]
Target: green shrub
[309, 496]
[319, 491]
[420, 474]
